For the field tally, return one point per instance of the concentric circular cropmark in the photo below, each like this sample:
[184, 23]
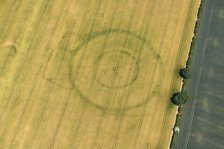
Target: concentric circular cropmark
[112, 67]
[112, 70]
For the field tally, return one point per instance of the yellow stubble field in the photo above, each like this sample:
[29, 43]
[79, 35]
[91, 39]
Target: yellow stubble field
[91, 73]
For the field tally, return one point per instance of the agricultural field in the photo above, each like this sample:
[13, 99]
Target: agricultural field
[91, 73]
[203, 118]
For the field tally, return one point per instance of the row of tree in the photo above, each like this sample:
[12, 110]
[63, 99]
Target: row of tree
[181, 97]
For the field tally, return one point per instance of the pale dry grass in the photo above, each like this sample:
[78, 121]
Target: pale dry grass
[49, 95]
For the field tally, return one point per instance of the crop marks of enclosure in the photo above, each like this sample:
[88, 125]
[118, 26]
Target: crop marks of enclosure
[91, 73]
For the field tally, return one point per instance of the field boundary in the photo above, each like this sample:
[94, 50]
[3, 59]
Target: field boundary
[177, 122]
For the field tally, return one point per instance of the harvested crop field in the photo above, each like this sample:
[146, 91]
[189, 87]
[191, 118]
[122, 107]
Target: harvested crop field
[91, 74]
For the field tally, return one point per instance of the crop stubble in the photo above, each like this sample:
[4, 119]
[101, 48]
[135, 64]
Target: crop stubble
[46, 103]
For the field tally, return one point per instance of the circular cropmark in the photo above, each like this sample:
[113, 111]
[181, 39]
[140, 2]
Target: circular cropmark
[112, 70]
[112, 65]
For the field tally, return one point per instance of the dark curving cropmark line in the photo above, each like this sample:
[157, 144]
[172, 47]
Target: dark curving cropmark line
[155, 66]
[68, 96]
[122, 85]
[100, 34]
[131, 88]
[152, 80]
[67, 100]
[92, 81]
[109, 91]
[51, 58]
[161, 129]
[119, 111]
[64, 45]
[104, 110]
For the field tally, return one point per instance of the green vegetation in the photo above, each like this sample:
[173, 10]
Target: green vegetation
[180, 98]
[185, 74]
[177, 124]
[86, 60]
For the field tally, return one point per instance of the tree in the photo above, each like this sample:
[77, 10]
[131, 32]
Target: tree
[185, 73]
[180, 98]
